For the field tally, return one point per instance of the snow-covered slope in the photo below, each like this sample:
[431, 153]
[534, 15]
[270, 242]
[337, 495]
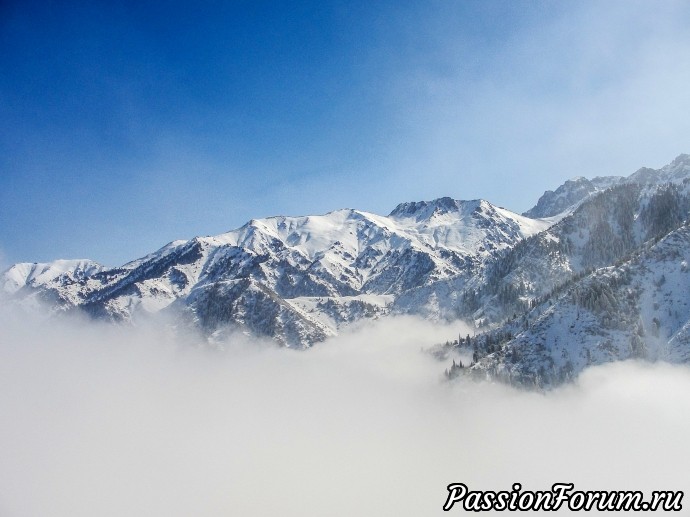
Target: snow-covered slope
[636, 309]
[675, 172]
[604, 229]
[567, 196]
[23, 274]
[297, 279]
[607, 282]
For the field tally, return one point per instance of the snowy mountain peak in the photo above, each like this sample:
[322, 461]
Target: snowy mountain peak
[681, 160]
[37, 273]
[643, 176]
[575, 190]
[425, 210]
[422, 209]
[568, 195]
[675, 172]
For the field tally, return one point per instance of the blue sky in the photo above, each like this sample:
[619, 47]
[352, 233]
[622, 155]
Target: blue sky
[124, 126]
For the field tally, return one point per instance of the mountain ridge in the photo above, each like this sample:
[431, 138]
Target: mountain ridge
[300, 279]
[576, 189]
[279, 265]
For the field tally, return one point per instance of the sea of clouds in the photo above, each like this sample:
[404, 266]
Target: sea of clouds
[98, 420]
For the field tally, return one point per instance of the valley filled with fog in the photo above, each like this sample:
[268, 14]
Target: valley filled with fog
[111, 421]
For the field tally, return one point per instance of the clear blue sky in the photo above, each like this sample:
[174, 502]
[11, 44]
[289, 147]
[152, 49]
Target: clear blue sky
[124, 126]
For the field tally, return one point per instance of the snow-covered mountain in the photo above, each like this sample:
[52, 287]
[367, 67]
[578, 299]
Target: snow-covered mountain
[575, 281]
[578, 293]
[675, 172]
[39, 274]
[575, 190]
[297, 279]
[569, 194]
[638, 308]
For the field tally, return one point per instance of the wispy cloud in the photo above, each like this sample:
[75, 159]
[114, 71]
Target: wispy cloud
[114, 149]
[590, 89]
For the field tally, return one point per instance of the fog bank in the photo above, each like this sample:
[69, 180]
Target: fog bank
[98, 420]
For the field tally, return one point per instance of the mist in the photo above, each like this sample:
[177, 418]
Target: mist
[112, 421]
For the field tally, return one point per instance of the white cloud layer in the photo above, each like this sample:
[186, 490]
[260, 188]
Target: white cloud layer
[107, 421]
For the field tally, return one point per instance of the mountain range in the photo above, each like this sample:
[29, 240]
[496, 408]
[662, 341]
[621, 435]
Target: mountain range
[574, 281]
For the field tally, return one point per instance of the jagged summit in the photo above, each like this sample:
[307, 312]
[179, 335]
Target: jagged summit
[575, 190]
[568, 195]
[426, 209]
[682, 159]
[675, 172]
